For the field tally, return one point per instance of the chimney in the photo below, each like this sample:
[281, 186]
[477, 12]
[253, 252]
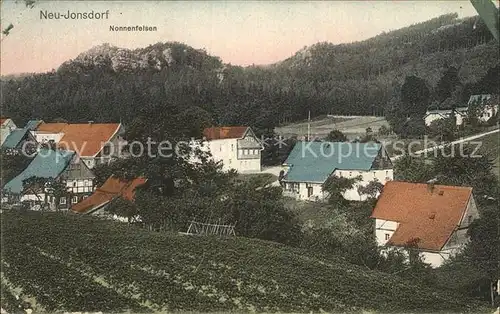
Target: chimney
[430, 187]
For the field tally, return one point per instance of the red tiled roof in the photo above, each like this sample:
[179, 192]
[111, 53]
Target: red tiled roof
[219, 133]
[87, 138]
[51, 127]
[112, 188]
[425, 216]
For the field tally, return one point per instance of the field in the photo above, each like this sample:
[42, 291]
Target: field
[63, 262]
[352, 127]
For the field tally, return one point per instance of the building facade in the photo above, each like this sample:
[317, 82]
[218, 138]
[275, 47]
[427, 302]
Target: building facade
[236, 147]
[310, 164]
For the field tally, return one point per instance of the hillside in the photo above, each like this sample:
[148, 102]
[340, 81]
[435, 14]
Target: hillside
[61, 261]
[108, 83]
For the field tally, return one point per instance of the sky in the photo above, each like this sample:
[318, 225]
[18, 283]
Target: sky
[239, 32]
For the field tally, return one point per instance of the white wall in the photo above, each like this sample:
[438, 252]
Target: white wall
[431, 117]
[384, 229]
[299, 190]
[232, 157]
[381, 176]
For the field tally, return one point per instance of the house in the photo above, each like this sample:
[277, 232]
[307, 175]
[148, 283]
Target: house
[20, 139]
[434, 218]
[95, 143]
[6, 126]
[486, 109]
[107, 193]
[237, 148]
[63, 165]
[459, 113]
[310, 164]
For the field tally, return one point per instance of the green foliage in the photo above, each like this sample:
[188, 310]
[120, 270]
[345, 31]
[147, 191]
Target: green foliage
[121, 269]
[447, 84]
[335, 79]
[337, 186]
[443, 129]
[12, 165]
[372, 189]
[336, 136]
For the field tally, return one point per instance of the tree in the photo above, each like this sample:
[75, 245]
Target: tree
[444, 129]
[372, 189]
[483, 250]
[336, 136]
[335, 187]
[415, 96]
[447, 84]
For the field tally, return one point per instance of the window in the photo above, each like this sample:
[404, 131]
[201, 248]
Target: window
[220, 148]
[245, 152]
[106, 150]
[374, 174]
[469, 219]
[62, 201]
[350, 173]
[387, 173]
[229, 161]
[340, 173]
[232, 147]
[74, 199]
[387, 237]
[74, 183]
[86, 183]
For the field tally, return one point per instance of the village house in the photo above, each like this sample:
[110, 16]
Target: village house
[431, 218]
[95, 143]
[6, 126]
[62, 165]
[486, 110]
[236, 147]
[104, 195]
[310, 164]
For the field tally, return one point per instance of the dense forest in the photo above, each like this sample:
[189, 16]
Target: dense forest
[112, 84]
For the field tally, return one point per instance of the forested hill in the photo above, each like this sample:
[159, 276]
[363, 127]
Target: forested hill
[107, 83]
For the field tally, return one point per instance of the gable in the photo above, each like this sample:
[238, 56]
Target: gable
[77, 169]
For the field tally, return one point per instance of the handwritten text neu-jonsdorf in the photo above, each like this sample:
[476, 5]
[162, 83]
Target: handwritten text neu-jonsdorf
[74, 15]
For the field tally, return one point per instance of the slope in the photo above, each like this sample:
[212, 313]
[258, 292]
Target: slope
[69, 263]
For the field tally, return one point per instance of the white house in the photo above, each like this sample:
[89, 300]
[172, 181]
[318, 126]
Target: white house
[486, 109]
[310, 164]
[431, 218]
[6, 126]
[236, 147]
[94, 143]
[485, 112]
[438, 114]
